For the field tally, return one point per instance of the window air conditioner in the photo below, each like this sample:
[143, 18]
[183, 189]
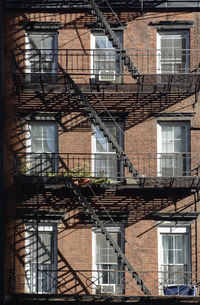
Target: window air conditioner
[107, 75]
[110, 288]
[107, 288]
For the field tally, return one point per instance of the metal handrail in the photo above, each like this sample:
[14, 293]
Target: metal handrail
[92, 280]
[107, 165]
[91, 61]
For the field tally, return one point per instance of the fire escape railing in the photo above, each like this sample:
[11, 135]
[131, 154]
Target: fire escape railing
[126, 5]
[71, 281]
[87, 61]
[106, 167]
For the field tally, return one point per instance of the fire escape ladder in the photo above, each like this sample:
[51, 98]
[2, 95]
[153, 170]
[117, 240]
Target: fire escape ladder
[96, 120]
[114, 245]
[104, 25]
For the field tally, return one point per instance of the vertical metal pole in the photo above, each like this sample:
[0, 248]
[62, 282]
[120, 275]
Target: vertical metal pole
[37, 246]
[14, 254]
[196, 199]
[142, 6]
[2, 201]
[66, 59]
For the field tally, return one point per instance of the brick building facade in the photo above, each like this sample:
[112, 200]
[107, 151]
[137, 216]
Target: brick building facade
[102, 150]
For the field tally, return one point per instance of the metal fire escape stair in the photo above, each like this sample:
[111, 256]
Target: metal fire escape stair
[105, 27]
[114, 245]
[77, 191]
[96, 120]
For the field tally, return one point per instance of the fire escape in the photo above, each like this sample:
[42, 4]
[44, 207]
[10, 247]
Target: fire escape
[75, 93]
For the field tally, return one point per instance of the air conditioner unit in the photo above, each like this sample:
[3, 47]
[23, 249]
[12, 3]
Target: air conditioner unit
[110, 288]
[107, 288]
[107, 75]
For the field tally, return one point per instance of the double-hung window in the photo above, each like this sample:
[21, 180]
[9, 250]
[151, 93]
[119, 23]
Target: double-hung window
[41, 262]
[173, 52]
[42, 144]
[41, 56]
[174, 256]
[106, 64]
[108, 270]
[173, 148]
[105, 162]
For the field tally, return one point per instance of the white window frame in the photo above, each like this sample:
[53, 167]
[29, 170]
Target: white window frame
[118, 125]
[96, 287]
[46, 227]
[158, 47]
[171, 230]
[159, 142]
[28, 47]
[93, 36]
[41, 122]
[29, 145]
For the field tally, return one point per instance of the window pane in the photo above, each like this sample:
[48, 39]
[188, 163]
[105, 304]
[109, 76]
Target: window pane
[101, 142]
[107, 263]
[167, 146]
[174, 257]
[41, 57]
[115, 132]
[100, 42]
[43, 144]
[105, 253]
[36, 138]
[49, 138]
[178, 42]
[167, 131]
[105, 158]
[105, 58]
[174, 142]
[41, 264]
[106, 165]
[166, 41]
[35, 41]
[173, 55]
[47, 42]
[45, 248]
[43, 137]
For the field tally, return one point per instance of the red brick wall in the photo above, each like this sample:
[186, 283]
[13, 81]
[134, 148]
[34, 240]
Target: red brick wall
[75, 245]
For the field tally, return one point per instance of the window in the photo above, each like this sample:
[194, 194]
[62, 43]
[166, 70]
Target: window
[104, 156]
[173, 52]
[106, 65]
[174, 256]
[41, 245]
[42, 147]
[41, 56]
[173, 148]
[108, 272]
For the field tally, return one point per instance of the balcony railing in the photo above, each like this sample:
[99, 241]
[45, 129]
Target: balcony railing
[103, 64]
[106, 166]
[95, 282]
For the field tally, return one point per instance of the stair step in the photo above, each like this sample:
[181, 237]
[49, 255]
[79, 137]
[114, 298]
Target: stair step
[110, 37]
